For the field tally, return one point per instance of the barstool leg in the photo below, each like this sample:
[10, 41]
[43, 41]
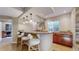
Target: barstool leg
[28, 48]
[38, 47]
[21, 45]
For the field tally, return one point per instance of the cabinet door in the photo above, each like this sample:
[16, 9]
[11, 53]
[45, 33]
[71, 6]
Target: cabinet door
[68, 43]
[57, 38]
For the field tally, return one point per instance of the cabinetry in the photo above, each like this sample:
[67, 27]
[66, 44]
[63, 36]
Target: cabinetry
[77, 24]
[77, 29]
[63, 38]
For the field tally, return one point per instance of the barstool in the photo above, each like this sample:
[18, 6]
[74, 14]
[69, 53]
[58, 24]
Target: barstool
[19, 38]
[18, 33]
[24, 42]
[33, 42]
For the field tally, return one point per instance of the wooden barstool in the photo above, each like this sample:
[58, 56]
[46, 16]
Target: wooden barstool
[24, 42]
[19, 39]
[33, 43]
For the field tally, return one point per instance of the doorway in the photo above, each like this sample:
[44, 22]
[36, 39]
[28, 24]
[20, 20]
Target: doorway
[6, 32]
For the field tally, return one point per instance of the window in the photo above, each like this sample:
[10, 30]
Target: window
[53, 26]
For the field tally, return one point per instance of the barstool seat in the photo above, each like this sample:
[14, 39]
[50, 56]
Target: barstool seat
[24, 42]
[19, 36]
[25, 38]
[18, 33]
[19, 40]
[34, 42]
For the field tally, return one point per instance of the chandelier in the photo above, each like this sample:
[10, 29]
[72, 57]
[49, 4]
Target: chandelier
[28, 21]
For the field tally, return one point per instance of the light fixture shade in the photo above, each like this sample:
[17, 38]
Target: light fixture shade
[26, 22]
[31, 21]
[23, 22]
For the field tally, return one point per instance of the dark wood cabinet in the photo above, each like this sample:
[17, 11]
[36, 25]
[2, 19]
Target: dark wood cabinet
[3, 34]
[63, 38]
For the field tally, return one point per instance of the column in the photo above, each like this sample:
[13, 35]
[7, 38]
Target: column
[15, 29]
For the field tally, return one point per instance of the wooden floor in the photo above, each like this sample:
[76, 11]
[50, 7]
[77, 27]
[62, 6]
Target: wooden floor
[57, 47]
[13, 47]
[6, 45]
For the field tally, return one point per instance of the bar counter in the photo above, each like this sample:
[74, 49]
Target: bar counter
[45, 40]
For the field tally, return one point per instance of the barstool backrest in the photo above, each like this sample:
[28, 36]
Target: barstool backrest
[18, 33]
[38, 36]
[25, 38]
[30, 36]
[22, 34]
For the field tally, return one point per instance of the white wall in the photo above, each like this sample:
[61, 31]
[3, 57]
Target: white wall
[73, 21]
[65, 22]
[29, 27]
[26, 27]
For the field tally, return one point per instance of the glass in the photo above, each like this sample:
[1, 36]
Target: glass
[53, 26]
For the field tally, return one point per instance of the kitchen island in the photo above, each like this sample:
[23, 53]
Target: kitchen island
[45, 40]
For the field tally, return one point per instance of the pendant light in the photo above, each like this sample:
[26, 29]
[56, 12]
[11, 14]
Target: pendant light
[31, 20]
[26, 20]
[23, 20]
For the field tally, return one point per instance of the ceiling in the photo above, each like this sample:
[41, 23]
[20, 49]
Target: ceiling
[12, 11]
[50, 11]
[59, 11]
[23, 9]
[46, 11]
